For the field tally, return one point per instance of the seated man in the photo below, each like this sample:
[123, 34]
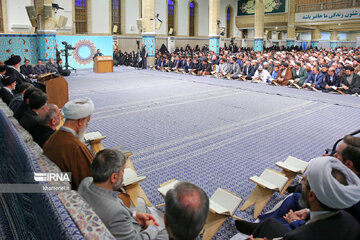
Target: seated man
[275, 72]
[197, 66]
[328, 186]
[65, 148]
[6, 92]
[13, 69]
[285, 74]
[18, 99]
[27, 70]
[235, 69]
[262, 74]
[300, 74]
[100, 191]
[206, 68]
[224, 68]
[330, 80]
[52, 67]
[47, 125]
[248, 71]
[25, 104]
[186, 211]
[37, 109]
[350, 82]
[39, 68]
[314, 78]
[62, 72]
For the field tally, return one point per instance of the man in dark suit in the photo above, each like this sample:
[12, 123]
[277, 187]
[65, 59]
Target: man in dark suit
[47, 125]
[314, 78]
[63, 72]
[330, 80]
[12, 69]
[97, 54]
[6, 94]
[27, 70]
[37, 109]
[248, 71]
[189, 64]
[197, 66]
[327, 187]
[350, 82]
[143, 55]
[206, 68]
[39, 68]
[2, 73]
[101, 191]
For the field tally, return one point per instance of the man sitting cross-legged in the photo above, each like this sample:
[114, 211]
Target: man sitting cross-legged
[65, 148]
[100, 191]
[327, 187]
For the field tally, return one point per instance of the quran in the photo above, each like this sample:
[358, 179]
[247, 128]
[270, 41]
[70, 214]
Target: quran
[293, 164]
[130, 177]
[270, 179]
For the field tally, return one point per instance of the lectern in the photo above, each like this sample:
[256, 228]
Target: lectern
[56, 88]
[103, 64]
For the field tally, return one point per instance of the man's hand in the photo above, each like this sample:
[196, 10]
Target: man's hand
[345, 87]
[292, 216]
[252, 238]
[327, 87]
[302, 214]
[145, 219]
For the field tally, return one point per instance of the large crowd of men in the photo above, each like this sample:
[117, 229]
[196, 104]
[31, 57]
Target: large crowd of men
[327, 70]
[327, 206]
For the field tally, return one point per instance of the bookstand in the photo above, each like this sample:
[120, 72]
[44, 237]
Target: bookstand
[264, 190]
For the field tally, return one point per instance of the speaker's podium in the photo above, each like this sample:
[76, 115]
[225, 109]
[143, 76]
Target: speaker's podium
[103, 64]
[56, 88]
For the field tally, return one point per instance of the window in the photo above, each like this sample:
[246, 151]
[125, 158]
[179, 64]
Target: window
[192, 19]
[1, 17]
[116, 15]
[228, 22]
[171, 16]
[140, 3]
[80, 16]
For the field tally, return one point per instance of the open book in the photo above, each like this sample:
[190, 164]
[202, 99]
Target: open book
[165, 187]
[293, 164]
[88, 137]
[130, 177]
[224, 202]
[221, 202]
[270, 179]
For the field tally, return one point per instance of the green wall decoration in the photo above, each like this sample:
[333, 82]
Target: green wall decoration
[247, 7]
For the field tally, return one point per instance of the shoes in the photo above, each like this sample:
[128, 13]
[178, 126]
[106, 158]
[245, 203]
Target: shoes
[245, 226]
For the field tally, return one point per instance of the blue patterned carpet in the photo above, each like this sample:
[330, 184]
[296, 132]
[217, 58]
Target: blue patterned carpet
[211, 132]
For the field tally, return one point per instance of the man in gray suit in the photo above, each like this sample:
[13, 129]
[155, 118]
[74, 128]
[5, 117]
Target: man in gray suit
[100, 192]
[235, 69]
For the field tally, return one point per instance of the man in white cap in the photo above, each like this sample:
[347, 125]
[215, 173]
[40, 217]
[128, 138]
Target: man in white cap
[327, 187]
[65, 148]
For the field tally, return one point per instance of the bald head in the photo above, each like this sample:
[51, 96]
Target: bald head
[186, 210]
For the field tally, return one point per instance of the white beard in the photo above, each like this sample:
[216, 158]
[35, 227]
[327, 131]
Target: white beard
[82, 134]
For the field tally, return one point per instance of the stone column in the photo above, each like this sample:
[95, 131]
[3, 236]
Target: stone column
[290, 39]
[148, 34]
[315, 35]
[46, 33]
[214, 18]
[259, 26]
[333, 40]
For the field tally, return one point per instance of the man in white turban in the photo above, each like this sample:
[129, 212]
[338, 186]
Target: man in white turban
[327, 187]
[65, 147]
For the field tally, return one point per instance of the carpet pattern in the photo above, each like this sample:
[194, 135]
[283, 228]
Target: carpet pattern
[211, 132]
